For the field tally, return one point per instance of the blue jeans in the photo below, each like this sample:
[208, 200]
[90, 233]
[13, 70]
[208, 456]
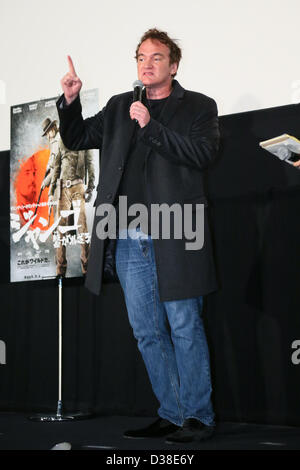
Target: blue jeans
[170, 335]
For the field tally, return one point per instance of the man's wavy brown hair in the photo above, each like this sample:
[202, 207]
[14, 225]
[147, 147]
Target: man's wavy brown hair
[163, 37]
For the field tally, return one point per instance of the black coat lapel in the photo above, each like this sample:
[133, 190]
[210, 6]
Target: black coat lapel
[172, 103]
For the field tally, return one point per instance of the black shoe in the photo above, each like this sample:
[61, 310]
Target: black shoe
[192, 430]
[160, 428]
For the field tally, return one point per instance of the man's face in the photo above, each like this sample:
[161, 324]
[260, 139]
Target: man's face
[26, 181]
[153, 64]
[51, 133]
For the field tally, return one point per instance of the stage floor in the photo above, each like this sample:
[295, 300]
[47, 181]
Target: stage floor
[17, 432]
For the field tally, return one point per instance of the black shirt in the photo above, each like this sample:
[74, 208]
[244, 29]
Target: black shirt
[133, 183]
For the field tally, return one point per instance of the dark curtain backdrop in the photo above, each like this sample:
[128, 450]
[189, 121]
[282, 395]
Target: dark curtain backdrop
[251, 321]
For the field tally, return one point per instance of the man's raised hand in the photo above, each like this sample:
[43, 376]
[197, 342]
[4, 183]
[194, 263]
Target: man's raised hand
[71, 84]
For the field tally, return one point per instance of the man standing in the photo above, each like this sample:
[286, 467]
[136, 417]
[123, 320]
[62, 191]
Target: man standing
[154, 152]
[50, 130]
[66, 173]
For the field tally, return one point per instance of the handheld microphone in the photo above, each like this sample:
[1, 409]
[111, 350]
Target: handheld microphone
[137, 90]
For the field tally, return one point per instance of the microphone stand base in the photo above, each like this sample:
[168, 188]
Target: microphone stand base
[59, 416]
[51, 418]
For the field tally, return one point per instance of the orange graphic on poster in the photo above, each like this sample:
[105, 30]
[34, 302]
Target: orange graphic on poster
[27, 185]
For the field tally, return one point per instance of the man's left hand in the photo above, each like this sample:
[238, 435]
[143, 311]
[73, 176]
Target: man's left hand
[297, 164]
[139, 112]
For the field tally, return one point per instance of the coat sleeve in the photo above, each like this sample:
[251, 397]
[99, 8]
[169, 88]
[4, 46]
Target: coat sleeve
[78, 133]
[197, 149]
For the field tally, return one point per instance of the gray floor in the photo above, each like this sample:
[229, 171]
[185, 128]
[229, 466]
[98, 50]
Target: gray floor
[18, 432]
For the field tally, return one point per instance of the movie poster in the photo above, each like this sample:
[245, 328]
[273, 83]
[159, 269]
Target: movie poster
[52, 192]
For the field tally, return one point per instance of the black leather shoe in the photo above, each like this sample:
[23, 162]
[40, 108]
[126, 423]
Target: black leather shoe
[160, 428]
[192, 430]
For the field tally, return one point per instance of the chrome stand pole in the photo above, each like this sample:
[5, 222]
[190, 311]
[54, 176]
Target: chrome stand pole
[59, 416]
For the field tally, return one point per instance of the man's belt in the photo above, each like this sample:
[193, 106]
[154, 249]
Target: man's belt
[69, 183]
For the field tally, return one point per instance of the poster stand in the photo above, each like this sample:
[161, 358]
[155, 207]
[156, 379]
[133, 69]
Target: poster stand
[59, 415]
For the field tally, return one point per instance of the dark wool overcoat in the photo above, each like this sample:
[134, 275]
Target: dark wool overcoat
[177, 147]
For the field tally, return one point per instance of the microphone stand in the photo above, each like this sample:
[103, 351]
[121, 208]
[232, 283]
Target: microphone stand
[59, 416]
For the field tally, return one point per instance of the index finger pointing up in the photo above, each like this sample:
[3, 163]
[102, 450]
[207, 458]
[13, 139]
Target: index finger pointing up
[71, 66]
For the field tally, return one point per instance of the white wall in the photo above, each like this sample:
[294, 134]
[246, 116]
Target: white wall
[244, 53]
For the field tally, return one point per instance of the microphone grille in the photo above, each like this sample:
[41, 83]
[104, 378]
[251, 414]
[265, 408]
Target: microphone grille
[138, 83]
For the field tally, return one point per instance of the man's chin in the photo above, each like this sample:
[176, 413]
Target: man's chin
[148, 80]
[32, 196]
[149, 84]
